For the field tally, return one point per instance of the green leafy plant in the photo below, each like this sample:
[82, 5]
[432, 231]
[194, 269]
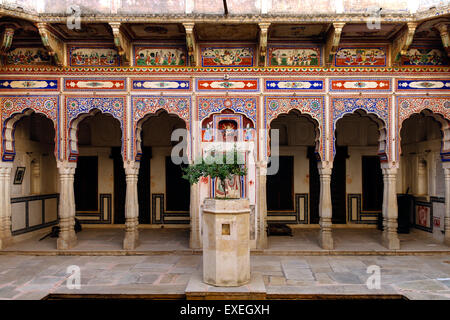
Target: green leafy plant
[222, 165]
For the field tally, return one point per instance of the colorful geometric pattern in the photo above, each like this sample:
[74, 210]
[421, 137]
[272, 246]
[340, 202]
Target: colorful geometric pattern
[161, 84]
[227, 56]
[363, 56]
[311, 105]
[101, 84]
[249, 85]
[10, 105]
[21, 84]
[209, 105]
[380, 106]
[423, 85]
[352, 85]
[291, 56]
[284, 85]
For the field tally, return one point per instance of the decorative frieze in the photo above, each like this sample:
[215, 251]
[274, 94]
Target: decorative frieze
[27, 84]
[249, 85]
[292, 84]
[352, 85]
[95, 84]
[161, 84]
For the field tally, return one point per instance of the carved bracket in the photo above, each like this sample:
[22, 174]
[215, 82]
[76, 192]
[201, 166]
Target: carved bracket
[54, 45]
[332, 41]
[7, 38]
[190, 43]
[122, 43]
[263, 28]
[402, 42]
[443, 30]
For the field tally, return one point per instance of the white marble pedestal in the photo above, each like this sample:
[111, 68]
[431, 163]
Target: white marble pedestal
[226, 250]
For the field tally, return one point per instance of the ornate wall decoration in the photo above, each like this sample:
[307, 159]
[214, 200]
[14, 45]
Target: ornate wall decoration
[379, 106]
[352, 85]
[11, 105]
[422, 85]
[211, 104]
[248, 85]
[424, 56]
[361, 56]
[293, 56]
[92, 56]
[29, 84]
[100, 84]
[161, 84]
[28, 56]
[313, 106]
[292, 84]
[227, 56]
[159, 56]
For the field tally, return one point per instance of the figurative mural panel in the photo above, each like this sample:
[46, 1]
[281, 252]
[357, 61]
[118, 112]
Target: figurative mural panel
[18, 84]
[245, 105]
[293, 56]
[361, 57]
[349, 85]
[423, 56]
[284, 85]
[28, 56]
[101, 84]
[93, 56]
[423, 85]
[227, 56]
[161, 84]
[159, 56]
[227, 85]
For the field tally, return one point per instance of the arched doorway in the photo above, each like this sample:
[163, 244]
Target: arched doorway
[293, 192]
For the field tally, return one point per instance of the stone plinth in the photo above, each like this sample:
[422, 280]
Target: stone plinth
[226, 250]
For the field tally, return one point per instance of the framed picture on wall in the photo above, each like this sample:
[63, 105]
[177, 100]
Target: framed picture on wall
[18, 177]
[423, 216]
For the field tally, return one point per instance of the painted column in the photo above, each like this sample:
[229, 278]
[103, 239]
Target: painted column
[261, 174]
[195, 235]
[390, 210]
[446, 166]
[5, 204]
[131, 240]
[67, 238]
[325, 205]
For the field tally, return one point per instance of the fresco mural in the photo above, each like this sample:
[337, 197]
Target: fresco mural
[422, 56]
[159, 56]
[227, 56]
[93, 56]
[286, 56]
[361, 57]
[28, 56]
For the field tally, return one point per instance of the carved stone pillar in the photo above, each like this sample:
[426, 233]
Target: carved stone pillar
[131, 240]
[195, 236]
[261, 174]
[390, 210]
[325, 206]
[5, 204]
[67, 238]
[446, 166]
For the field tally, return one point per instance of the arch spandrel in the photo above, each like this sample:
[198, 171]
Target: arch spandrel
[378, 108]
[143, 106]
[13, 108]
[80, 107]
[438, 107]
[309, 105]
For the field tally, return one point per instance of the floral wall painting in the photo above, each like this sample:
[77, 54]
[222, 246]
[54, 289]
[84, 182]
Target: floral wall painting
[93, 57]
[28, 56]
[159, 56]
[361, 57]
[421, 56]
[227, 56]
[294, 56]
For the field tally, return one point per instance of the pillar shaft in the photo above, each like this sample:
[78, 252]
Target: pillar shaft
[261, 174]
[390, 210]
[5, 204]
[131, 240]
[325, 206]
[67, 238]
[195, 235]
[447, 204]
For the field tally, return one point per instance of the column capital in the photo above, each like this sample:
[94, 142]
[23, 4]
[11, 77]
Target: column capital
[6, 165]
[131, 167]
[325, 167]
[66, 167]
[446, 166]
